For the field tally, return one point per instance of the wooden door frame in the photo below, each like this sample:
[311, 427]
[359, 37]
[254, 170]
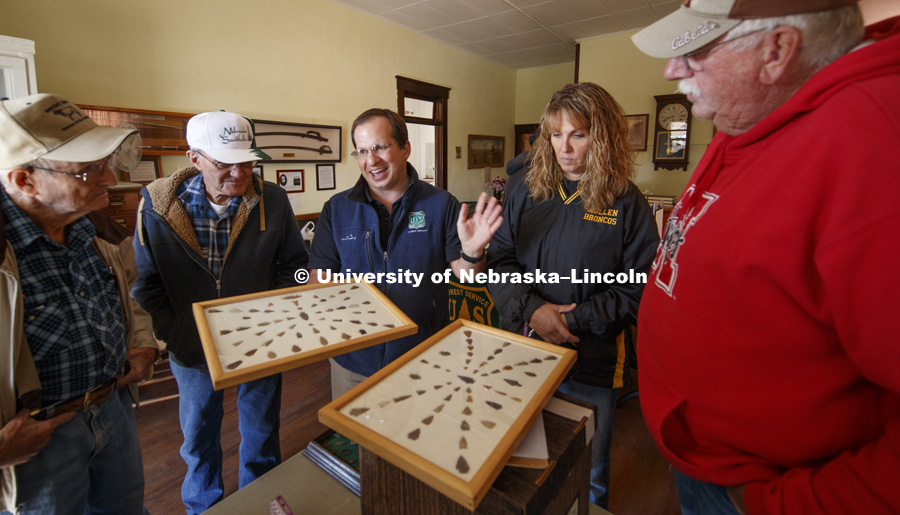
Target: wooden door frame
[438, 95]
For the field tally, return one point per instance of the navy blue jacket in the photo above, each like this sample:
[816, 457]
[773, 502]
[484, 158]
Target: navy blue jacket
[424, 241]
[265, 249]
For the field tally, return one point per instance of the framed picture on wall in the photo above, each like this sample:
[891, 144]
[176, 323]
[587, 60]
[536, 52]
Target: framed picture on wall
[302, 143]
[291, 180]
[486, 151]
[148, 170]
[258, 170]
[325, 177]
[637, 131]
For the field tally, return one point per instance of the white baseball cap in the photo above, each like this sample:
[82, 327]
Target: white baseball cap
[51, 127]
[224, 136]
[699, 22]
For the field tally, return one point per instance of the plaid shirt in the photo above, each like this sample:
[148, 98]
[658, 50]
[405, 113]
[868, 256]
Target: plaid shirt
[212, 230]
[73, 314]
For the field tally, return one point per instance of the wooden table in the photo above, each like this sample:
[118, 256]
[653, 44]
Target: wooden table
[306, 488]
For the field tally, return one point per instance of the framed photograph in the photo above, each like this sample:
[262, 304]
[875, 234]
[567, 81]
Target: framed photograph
[302, 143]
[325, 177]
[486, 151]
[291, 180]
[452, 410]
[258, 170]
[637, 131]
[148, 170]
[670, 144]
[252, 336]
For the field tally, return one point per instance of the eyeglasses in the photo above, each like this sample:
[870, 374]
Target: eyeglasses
[693, 55]
[245, 166]
[90, 173]
[126, 157]
[379, 149]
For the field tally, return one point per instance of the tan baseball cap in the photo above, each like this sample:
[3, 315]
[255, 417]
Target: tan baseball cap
[699, 22]
[49, 126]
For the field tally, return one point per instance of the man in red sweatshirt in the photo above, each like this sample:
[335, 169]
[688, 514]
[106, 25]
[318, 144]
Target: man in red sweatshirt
[769, 330]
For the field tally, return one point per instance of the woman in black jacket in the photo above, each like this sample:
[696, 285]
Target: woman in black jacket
[576, 213]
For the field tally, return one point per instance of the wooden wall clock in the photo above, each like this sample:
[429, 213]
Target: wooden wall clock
[672, 132]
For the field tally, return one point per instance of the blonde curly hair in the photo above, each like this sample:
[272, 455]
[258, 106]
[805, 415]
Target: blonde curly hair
[609, 164]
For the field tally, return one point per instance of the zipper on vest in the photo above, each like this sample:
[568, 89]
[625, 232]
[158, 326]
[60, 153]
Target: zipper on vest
[369, 250]
[218, 289]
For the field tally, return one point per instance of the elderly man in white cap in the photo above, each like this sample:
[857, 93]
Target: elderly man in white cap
[214, 230]
[71, 335]
[768, 330]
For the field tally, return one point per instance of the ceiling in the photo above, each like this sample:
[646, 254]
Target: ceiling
[517, 33]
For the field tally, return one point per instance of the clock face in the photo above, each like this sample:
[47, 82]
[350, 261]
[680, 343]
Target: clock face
[673, 117]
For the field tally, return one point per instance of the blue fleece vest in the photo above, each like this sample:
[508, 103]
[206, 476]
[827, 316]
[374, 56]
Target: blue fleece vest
[419, 243]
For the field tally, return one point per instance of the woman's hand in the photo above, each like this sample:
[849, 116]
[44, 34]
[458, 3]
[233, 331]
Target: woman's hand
[549, 321]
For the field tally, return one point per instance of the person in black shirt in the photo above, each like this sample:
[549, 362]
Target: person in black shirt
[576, 213]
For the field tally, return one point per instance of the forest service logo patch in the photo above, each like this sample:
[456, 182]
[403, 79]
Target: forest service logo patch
[417, 220]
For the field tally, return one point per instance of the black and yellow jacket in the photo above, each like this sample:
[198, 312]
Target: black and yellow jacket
[558, 236]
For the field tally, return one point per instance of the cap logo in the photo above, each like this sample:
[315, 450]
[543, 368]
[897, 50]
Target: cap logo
[67, 110]
[235, 134]
[702, 30]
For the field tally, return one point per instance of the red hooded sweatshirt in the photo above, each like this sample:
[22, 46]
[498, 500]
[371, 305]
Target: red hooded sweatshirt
[769, 330]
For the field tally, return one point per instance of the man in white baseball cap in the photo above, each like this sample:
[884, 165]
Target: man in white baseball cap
[71, 334]
[770, 376]
[213, 230]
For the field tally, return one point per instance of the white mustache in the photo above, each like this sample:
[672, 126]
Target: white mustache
[688, 87]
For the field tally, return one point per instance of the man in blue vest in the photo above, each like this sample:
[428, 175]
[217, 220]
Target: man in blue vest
[390, 222]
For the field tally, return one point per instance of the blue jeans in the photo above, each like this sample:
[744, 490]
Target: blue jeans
[605, 400]
[91, 465]
[700, 498]
[200, 410]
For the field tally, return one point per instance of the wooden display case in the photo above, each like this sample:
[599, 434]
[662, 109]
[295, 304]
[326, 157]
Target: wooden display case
[123, 203]
[252, 336]
[162, 132]
[451, 411]
[560, 489]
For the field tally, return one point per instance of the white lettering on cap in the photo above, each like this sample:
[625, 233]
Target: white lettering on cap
[702, 29]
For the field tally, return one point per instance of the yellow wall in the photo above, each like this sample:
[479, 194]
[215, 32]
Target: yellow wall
[316, 61]
[633, 78]
[311, 61]
[535, 86]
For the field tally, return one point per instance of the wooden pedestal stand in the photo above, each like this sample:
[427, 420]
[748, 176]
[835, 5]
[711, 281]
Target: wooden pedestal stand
[562, 488]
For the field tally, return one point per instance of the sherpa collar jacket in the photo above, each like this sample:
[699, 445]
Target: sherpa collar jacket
[264, 251]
